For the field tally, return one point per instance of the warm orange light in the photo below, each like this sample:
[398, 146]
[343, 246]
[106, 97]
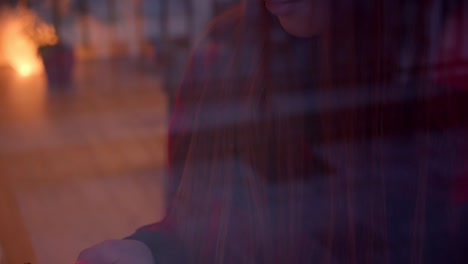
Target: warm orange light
[21, 32]
[25, 70]
[21, 53]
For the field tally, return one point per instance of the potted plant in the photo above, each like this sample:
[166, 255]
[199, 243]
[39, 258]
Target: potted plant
[57, 57]
[58, 60]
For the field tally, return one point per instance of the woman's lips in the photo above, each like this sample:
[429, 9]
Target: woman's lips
[281, 7]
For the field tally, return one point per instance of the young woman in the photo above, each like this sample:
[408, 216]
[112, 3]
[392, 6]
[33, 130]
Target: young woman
[271, 86]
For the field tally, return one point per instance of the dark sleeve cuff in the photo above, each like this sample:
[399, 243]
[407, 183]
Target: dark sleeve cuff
[164, 247]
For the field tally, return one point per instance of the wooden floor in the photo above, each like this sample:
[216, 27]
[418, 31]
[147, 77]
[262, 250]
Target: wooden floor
[79, 166]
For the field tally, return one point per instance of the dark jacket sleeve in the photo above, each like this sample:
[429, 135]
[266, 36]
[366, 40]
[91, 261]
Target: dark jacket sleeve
[163, 245]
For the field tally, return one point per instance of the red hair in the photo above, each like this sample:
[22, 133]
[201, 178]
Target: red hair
[227, 123]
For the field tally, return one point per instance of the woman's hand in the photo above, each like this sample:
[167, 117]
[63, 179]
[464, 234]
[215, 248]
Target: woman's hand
[117, 252]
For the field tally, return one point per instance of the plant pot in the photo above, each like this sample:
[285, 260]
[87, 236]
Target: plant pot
[59, 62]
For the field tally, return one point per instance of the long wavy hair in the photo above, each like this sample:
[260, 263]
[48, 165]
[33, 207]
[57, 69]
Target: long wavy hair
[247, 117]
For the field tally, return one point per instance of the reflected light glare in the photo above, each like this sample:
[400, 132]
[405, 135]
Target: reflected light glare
[25, 70]
[21, 33]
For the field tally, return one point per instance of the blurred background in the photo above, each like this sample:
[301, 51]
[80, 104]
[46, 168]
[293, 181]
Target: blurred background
[86, 90]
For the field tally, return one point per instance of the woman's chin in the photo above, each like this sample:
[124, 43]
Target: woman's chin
[300, 29]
